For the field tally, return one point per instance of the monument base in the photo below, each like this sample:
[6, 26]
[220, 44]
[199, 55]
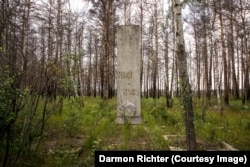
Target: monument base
[131, 120]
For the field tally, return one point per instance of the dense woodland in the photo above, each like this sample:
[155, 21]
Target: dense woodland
[50, 51]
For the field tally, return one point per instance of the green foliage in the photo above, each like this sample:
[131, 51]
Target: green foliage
[70, 123]
[6, 95]
[72, 136]
[230, 127]
[17, 115]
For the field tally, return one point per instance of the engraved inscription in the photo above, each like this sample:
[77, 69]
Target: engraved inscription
[124, 75]
[132, 92]
[128, 75]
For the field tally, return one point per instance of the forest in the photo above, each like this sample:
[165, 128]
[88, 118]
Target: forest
[58, 77]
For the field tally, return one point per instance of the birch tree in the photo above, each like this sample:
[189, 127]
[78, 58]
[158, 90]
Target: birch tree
[184, 78]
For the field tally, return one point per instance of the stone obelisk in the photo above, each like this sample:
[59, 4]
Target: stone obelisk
[128, 75]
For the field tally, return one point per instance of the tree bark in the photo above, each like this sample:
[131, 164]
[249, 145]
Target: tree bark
[223, 52]
[90, 65]
[235, 87]
[185, 85]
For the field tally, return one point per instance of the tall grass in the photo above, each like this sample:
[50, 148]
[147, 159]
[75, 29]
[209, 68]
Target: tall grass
[72, 136]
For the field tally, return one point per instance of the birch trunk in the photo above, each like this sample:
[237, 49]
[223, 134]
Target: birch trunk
[185, 85]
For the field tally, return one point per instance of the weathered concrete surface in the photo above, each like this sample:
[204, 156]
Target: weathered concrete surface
[128, 75]
[228, 147]
[181, 139]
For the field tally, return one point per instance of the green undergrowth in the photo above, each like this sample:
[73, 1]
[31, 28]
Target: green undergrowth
[72, 135]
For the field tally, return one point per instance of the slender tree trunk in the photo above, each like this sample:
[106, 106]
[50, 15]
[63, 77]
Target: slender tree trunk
[243, 73]
[174, 64]
[141, 49]
[107, 20]
[172, 75]
[185, 85]
[155, 59]
[197, 53]
[210, 68]
[96, 66]
[168, 97]
[223, 52]
[80, 53]
[205, 58]
[90, 66]
[147, 79]
[217, 78]
[235, 88]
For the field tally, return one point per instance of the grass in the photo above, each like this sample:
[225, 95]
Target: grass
[72, 136]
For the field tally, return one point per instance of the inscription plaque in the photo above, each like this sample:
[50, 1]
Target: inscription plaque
[128, 75]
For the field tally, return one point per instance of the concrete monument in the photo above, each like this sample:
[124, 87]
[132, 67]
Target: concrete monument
[128, 75]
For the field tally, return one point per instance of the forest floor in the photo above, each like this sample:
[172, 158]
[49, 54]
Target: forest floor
[72, 136]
